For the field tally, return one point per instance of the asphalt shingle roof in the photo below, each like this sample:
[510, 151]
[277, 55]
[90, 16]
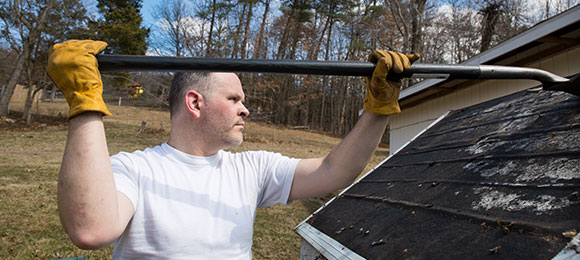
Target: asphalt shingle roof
[496, 180]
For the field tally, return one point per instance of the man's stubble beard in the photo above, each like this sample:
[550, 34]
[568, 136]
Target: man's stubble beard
[220, 133]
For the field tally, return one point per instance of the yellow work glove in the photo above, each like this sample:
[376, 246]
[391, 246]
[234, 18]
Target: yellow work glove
[72, 66]
[382, 97]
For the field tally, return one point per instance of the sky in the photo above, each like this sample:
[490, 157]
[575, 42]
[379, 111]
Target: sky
[147, 10]
[149, 7]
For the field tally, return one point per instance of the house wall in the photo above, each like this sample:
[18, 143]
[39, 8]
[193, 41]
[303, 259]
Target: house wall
[411, 121]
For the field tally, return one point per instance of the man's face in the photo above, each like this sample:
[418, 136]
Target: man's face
[225, 112]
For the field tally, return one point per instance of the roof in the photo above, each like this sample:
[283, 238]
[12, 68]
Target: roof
[549, 37]
[499, 179]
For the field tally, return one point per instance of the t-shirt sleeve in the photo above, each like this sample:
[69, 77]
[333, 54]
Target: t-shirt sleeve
[276, 179]
[125, 176]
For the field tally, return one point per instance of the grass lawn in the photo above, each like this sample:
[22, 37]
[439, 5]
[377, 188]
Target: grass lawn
[30, 159]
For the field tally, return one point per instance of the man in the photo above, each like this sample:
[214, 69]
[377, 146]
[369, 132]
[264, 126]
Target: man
[188, 198]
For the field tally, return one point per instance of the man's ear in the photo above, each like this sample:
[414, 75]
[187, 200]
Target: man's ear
[193, 103]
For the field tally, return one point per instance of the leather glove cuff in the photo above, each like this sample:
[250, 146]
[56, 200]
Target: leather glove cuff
[86, 101]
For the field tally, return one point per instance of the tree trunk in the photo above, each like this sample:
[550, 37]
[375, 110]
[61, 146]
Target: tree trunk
[314, 55]
[258, 53]
[28, 105]
[12, 81]
[490, 15]
[418, 8]
[237, 37]
[323, 103]
[325, 83]
[247, 31]
[284, 39]
[28, 44]
[28, 102]
[295, 40]
[344, 99]
[209, 37]
[399, 19]
[52, 94]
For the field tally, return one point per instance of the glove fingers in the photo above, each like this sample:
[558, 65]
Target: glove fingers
[400, 62]
[94, 47]
[90, 47]
[380, 88]
[382, 94]
[381, 71]
[375, 56]
[413, 57]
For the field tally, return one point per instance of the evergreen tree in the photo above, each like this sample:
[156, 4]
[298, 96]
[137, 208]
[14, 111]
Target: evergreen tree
[121, 27]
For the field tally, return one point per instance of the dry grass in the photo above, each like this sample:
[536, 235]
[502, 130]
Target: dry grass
[30, 158]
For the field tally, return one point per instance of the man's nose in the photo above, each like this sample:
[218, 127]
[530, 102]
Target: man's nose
[244, 112]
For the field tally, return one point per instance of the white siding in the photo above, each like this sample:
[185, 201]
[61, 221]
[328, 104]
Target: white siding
[411, 121]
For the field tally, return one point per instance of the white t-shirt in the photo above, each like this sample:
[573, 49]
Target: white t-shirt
[189, 207]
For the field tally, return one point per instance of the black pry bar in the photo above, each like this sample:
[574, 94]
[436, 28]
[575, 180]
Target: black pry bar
[134, 63]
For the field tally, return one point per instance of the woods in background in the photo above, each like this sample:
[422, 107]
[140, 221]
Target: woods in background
[448, 31]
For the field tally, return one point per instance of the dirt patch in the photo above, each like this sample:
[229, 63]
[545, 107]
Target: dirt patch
[14, 122]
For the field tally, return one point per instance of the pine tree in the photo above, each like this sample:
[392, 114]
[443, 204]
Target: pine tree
[121, 27]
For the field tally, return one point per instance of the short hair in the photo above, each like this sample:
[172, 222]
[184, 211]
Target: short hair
[185, 81]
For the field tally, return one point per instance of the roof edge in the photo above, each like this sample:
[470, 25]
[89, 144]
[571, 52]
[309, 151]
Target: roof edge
[571, 251]
[326, 245]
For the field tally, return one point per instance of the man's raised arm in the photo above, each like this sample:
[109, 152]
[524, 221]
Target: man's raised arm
[338, 169]
[92, 211]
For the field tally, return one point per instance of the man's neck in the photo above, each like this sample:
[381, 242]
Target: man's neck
[186, 139]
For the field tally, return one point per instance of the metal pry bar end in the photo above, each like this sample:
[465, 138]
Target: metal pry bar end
[549, 80]
[509, 72]
[571, 86]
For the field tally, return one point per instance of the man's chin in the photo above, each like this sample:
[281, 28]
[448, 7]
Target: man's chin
[236, 141]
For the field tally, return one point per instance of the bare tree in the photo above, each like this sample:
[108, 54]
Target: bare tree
[173, 25]
[408, 18]
[490, 13]
[259, 52]
[29, 19]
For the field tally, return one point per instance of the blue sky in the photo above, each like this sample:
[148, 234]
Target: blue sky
[146, 11]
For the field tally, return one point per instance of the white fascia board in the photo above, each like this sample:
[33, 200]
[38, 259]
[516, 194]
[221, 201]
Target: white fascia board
[571, 251]
[419, 87]
[325, 244]
[540, 30]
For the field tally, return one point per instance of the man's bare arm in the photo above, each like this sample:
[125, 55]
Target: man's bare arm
[92, 211]
[315, 177]
[319, 176]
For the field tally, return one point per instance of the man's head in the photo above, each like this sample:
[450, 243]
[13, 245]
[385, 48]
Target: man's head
[207, 109]
[185, 81]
